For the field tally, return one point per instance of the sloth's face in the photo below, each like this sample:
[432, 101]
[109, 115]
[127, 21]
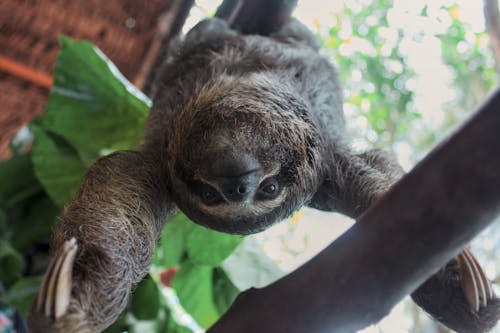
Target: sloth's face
[236, 191]
[244, 162]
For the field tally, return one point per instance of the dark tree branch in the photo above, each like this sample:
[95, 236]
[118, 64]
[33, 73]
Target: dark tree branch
[248, 16]
[492, 19]
[256, 16]
[169, 26]
[415, 229]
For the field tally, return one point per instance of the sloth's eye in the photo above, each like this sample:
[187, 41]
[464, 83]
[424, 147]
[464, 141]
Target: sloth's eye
[268, 189]
[209, 195]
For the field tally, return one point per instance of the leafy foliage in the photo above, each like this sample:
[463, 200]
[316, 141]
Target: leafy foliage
[374, 70]
[89, 93]
[208, 247]
[145, 303]
[22, 293]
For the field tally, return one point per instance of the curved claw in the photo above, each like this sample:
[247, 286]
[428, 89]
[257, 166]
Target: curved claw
[55, 291]
[460, 296]
[477, 288]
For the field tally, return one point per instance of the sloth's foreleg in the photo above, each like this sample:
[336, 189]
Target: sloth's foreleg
[103, 245]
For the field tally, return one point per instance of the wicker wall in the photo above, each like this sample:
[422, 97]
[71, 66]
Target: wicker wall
[123, 29]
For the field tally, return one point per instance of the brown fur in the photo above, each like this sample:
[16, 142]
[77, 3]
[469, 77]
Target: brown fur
[220, 95]
[116, 218]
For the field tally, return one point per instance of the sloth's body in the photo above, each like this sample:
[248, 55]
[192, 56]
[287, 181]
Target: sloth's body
[244, 130]
[244, 113]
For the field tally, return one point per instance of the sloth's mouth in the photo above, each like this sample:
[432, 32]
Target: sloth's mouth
[240, 227]
[239, 222]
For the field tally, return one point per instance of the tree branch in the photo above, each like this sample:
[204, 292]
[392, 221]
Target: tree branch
[169, 25]
[415, 229]
[492, 20]
[256, 16]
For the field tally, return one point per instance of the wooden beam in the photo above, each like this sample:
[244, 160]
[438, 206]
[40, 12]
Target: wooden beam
[408, 235]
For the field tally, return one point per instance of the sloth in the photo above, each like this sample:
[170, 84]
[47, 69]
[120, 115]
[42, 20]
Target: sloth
[244, 130]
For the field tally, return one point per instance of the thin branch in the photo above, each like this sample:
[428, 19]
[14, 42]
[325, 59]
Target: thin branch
[24, 72]
[415, 229]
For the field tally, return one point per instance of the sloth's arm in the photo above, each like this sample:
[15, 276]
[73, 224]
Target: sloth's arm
[103, 245]
[459, 295]
[355, 181]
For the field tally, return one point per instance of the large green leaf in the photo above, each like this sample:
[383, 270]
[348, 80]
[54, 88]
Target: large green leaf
[24, 205]
[16, 174]
[120, 325]
[172, 243]
[208, 247]
[3, 222]
[91, 104]
[35, 225]
[22, 294]
[57, 166]
[11, 262]
[172, 327]
[145, 302]
[225, 291]
[193, 284]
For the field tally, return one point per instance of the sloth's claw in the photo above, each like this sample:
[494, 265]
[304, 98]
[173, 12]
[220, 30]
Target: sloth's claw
[55, 291]
[460, 296]
[477, 288]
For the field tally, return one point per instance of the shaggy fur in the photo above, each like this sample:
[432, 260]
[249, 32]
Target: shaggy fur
[273, 101]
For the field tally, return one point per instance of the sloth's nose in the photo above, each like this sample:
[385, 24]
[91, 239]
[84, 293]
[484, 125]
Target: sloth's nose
[237, 175]
[239, 188]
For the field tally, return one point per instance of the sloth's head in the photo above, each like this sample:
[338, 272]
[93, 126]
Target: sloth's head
[244, 154]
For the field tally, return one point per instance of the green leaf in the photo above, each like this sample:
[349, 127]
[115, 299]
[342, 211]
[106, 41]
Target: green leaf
[173, 327]
[169, 325]
[91, 104]
[22, 294]
[172, 243]
[209, 247]
[39, 219]
[225, 292]
[120, 325]
[145, 301]
[11, 262]
[16, 173]
[193, 285]
[3, 223]
[57, 166]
